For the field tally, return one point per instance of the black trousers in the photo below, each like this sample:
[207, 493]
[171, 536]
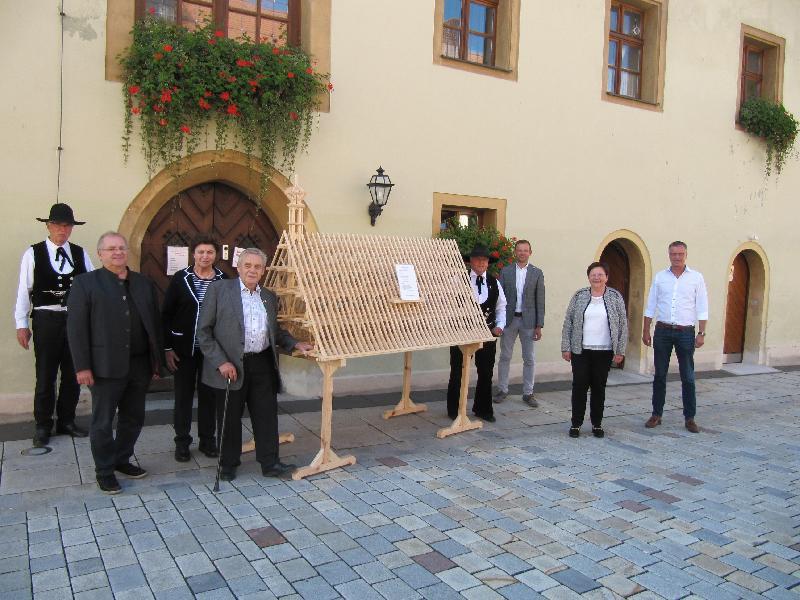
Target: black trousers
[123, 397]
[259, 392]
[188, 378]
[589, 372]
[51, 351]
[484, 363]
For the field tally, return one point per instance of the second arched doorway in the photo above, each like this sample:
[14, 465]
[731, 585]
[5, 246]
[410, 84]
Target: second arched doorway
[745, 308]
[213, 207]
[628, 273]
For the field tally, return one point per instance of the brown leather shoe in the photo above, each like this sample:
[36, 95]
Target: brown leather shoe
[653, 421]
[692, 426]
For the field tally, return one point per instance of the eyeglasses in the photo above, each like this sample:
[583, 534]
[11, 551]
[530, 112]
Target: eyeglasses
[114, 249]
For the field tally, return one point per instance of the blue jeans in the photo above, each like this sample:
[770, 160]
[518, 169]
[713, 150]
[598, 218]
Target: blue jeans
[664, 340]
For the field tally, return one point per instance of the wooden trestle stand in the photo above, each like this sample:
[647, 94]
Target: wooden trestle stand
[339, 292]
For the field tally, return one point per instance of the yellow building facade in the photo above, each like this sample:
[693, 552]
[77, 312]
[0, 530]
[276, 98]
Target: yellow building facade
[590, 128]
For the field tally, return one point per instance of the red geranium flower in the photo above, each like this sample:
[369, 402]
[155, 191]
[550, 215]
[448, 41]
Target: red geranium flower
[310, 71]
[133, 90]
[231, 79]
[290, 75]
[243, 63]
[166, 96]
[185, 129]
[207, 94]
[330, 87]
[152, 10]
[162, 122]
[219, 33]
[232, 110]
[158, 108]
[294, 116]
[212, 41]
[136, 110]
[158, 56]
[494, 254]
[276, 50]
[203, 104]
[252, 83]
[167, 47]
[225, 96]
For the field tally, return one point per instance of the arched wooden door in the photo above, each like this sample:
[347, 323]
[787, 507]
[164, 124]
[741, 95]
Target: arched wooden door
[230, 216]
[619, 273]
[736, 311]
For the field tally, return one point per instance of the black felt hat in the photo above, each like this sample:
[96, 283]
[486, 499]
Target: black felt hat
[481, 252]
[61, 213]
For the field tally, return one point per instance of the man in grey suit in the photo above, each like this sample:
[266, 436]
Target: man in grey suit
[239, 336]
[523, 285]
[114, 332]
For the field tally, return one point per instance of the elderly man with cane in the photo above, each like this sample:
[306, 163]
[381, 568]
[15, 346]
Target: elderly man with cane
[239, 336]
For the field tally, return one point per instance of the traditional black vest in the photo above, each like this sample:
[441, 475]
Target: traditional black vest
[49, 286]
[488, 307]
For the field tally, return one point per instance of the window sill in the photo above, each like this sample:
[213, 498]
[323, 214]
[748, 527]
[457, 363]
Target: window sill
[474, 64]
[635, 102]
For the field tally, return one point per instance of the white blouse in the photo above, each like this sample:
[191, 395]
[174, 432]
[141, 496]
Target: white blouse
[596, 334]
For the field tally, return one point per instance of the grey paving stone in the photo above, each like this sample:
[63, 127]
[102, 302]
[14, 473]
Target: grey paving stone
[536, 580]
[519, 591]
[205, 582]
[15, 580]
[319, 554]
[281, 553]
[13, 563]
[126, 578]
[575, 580]
[510, 563]
[96, 594]
[337, 572]
[48, 580]
[358, 590]
[660, 586]
[89, 581]
[194, 564]
[317, 588]
[396, 589]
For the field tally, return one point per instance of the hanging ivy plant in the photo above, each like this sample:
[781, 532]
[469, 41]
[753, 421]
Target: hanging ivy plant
[775, 124]
[177, 82]
[501, 248]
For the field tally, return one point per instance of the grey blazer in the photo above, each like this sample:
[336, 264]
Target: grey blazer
[532, 295]
[220, 331]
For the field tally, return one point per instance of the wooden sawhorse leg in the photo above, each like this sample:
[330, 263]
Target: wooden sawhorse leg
[462, 422]
[326, 459]
[283, 438]
[406, 406]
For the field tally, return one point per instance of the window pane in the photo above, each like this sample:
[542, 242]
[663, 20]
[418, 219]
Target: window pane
[481, 18]
[752, 89]
[629, 84]
[193, 16]
[163, 9]
[240, 25]
[242, 5]
[612, 52]
[612, 73]
[274, 32]
[480, 50]
[452, 12]
[451, 42]
[632, 24]
[275, 8]
[615, 18]
[631, 57]
[754, 61]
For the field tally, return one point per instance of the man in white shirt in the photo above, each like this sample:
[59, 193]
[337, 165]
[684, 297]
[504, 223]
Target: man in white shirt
[489, 294]
[523, 285]
[45, 277]
[678, 299]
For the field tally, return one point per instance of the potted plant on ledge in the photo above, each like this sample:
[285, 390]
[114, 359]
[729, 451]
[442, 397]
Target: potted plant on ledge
[775, 125]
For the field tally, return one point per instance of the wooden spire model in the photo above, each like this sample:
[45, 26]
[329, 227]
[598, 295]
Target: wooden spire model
[340, 292]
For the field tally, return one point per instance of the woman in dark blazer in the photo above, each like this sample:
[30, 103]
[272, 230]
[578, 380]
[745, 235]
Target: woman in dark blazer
[181, 307]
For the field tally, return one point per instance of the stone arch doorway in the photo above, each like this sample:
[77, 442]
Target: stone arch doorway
[745, 307]
[629, 273]
[213, 207]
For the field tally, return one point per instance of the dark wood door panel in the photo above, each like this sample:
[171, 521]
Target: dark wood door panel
[736, 311]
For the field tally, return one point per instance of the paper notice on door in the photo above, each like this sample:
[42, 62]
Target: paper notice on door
[177, 258]
[235, 260]
[407, 282]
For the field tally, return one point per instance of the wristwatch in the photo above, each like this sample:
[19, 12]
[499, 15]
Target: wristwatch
[703, 333]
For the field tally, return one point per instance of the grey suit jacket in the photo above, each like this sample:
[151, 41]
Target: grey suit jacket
[532, 295]
[220, 331]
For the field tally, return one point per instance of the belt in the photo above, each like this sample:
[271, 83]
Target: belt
[662, 325]
[517, 314]
[252, 354]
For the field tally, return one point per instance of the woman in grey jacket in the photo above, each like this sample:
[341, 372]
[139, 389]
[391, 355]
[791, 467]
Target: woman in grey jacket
[595, 333]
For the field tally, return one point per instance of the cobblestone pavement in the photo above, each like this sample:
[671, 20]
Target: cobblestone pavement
[516, 510]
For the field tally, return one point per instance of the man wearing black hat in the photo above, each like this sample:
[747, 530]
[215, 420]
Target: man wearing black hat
[492, 300]
[45, 277]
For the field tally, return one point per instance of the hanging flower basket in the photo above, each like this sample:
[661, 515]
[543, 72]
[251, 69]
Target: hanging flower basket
[177, 82]
[775, 125]
[467, 237]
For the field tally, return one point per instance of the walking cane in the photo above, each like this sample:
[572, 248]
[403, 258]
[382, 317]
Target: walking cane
[222, 434]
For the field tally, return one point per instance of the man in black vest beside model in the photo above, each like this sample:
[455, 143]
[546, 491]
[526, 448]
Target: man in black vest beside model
[492, 300]
[45, 278]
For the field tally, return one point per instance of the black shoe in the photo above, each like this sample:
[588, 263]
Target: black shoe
[574, 432]
[108, 484]
[182, 454]
[487, 418]
[453, 416]
[209, 449]
[227, 474]
[277, 469]
[71, 430]
[598, 432]
[131, 471]
[41, 437]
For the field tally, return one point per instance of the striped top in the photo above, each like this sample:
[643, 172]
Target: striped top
[200, 286]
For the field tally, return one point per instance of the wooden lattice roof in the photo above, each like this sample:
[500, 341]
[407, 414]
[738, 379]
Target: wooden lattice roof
[340, 291]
